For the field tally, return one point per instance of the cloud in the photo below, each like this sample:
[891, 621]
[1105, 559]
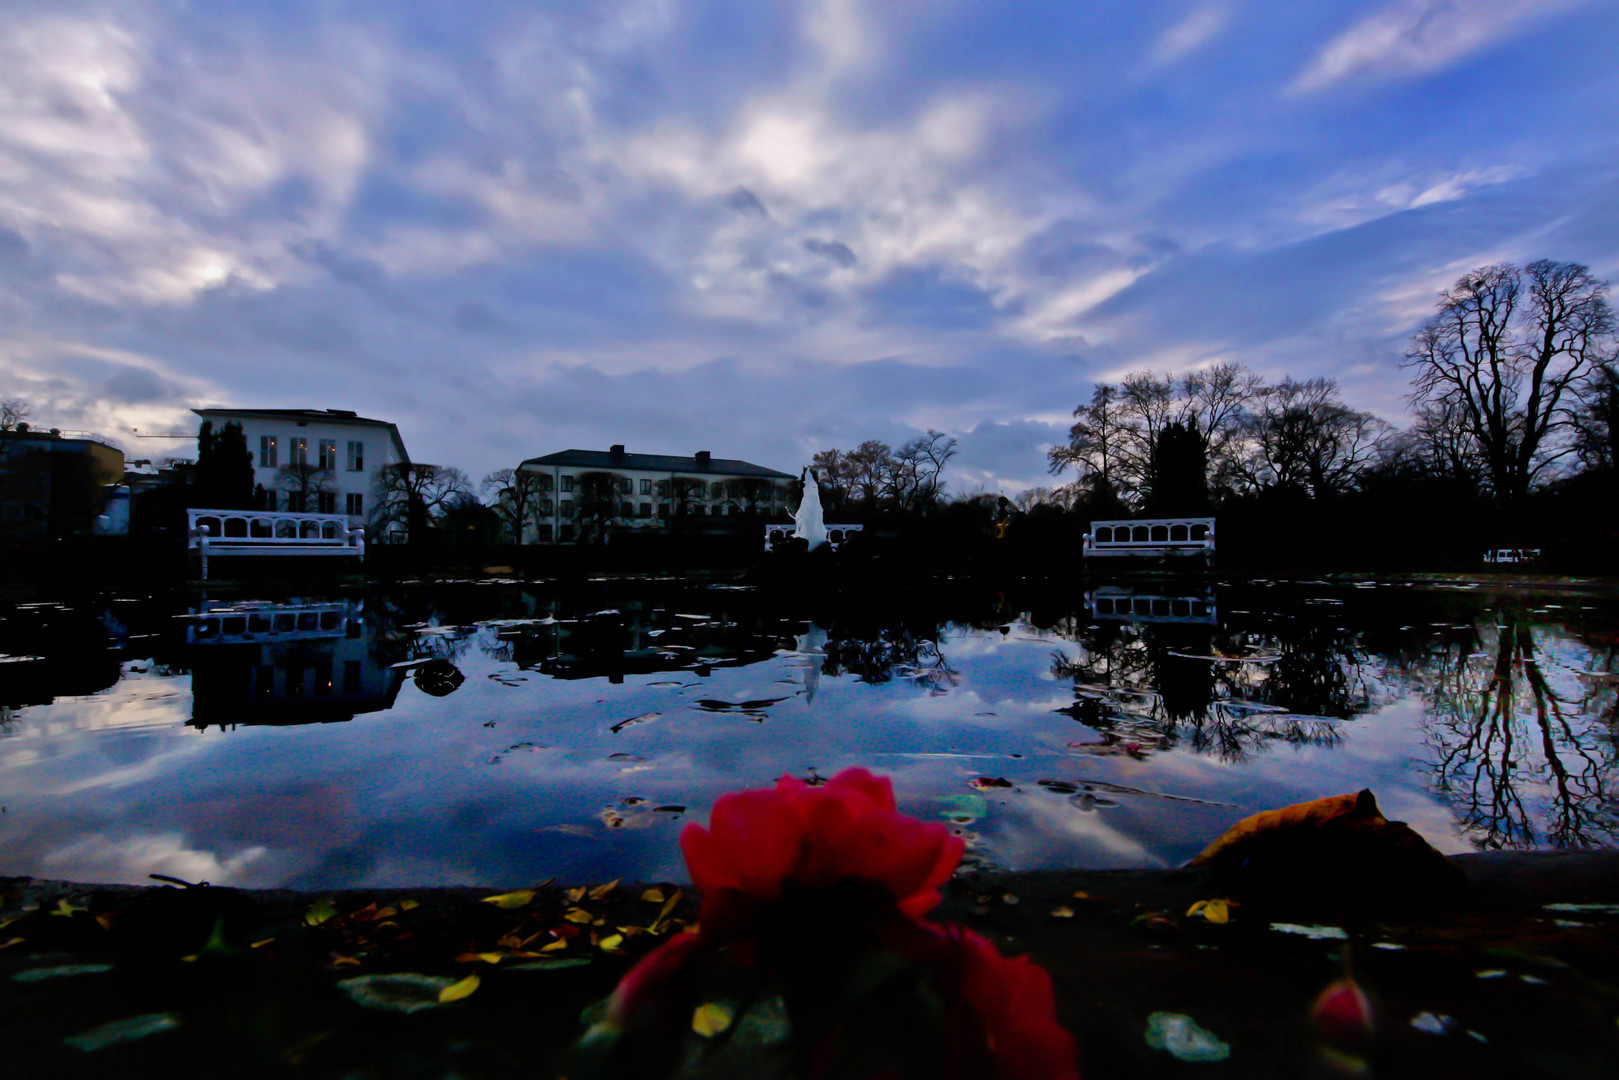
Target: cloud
[1414, 37]
[1197, 29]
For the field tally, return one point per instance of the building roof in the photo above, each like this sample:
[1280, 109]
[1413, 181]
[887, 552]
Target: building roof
[322, 416]
[606, 459]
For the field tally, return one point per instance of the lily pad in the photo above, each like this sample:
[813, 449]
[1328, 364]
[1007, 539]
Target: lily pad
[404, 991]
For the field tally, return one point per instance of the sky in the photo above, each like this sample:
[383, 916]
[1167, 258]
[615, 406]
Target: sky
[765, 229]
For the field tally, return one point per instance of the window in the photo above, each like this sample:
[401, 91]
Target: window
[625, 485]
[328, 453]
[716, 490]
[269, 500]
[646, 509]
[546, 532]
[546, 482]
[355, 504]
[547, 507]
[625, 510]
[567, 483]
[356, 456]
[646, 487]
[300, 450]
[663, 488]
[567, 533]
[663, 511]
[296, 501]
[326, 502]
[267, 452]
[567, 508]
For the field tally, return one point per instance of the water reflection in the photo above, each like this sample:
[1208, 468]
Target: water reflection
[505, 733]
[1519, 734]
[301, 662]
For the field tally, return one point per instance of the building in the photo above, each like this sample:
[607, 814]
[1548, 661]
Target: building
[316, 461]
[54, 484]
[583, 494]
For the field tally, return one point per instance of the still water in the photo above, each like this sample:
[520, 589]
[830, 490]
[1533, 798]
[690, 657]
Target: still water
[497, 733]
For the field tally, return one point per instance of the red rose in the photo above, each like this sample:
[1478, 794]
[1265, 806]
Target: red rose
[844, 830]
[1016, 1010]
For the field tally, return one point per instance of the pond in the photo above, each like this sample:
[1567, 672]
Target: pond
[500, 733]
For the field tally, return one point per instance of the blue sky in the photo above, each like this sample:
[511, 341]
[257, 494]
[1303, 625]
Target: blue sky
[762, 229]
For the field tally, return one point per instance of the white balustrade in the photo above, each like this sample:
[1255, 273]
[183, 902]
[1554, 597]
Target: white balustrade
[1151, 537]
[270, 532]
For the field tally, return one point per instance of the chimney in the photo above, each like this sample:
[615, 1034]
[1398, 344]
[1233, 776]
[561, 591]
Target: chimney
[617, 451]
[702, 459]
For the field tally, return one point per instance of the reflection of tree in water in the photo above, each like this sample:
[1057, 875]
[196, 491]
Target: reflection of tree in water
[1520, 742]
[1227, 693]
[879, 655]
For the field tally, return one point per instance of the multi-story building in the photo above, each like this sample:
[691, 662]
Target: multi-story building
[580, 494]
[317, 461]
[53, 483]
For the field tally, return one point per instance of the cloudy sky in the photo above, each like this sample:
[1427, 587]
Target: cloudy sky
[762, 229]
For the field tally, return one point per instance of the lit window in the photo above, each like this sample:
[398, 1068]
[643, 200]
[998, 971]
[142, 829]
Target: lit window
[300, 450]
[328, 453]
[267, 457]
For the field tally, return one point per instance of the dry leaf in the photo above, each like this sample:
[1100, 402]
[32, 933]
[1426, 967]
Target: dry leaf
[611, 943]
[510, 901]
[409, 905]
[320, 911]
[1062, 913]
[601, 892]
[653, 896]
[710, 1019]
[579, 916]
[457, 991]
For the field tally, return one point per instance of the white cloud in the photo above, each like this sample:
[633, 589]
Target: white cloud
[1200, 27]
[132, 859]
[1414, 37]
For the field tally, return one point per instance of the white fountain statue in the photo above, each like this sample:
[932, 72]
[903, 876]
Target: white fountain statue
[810, 525]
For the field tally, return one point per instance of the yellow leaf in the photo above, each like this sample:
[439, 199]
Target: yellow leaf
[1082, 895]
[556, 946]
[1218, 912]
[611, 943]
[510, 901]
[653, 896]
[1062, 913]
[486, 957]
[457, 991]
[13, 941]
[320, 911]
[409, 905]
[66, 909]
[579, 916]
[1195, 908]
[710, 1019]
[385, 913]
[668, 906]
[261, 943]
[341, 961]
[601, 892]
[105, 919]
[573, 896]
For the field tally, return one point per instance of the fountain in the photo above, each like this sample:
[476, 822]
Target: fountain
[809, 525]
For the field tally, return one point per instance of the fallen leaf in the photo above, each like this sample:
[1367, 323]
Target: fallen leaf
[573, 896]
[457, 991]
[611, 943]
[66, 909]
[409, 905]
[579, 916]
[1062, 913]
[320, 911]
[653, 896]
[601, 892]
[262, 942]
[510, 901]
[486, 957]
[710, 1019]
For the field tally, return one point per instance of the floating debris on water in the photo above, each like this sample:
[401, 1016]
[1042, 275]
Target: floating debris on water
[1183, 1038]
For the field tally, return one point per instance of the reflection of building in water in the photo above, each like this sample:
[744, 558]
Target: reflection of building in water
[1111, 602]
[49, 651]
[295, 663]
[635, 639]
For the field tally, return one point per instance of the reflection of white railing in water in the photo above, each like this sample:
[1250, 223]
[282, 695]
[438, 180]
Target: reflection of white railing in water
[270, 532]
[1151, 536]
[836, 535]
[253, 621]
[1130, 606]
[1512, 555]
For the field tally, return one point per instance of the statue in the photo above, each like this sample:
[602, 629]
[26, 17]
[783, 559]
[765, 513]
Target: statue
[809, 525]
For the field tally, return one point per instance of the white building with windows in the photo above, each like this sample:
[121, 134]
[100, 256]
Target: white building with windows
[318, 461]
[575, 491]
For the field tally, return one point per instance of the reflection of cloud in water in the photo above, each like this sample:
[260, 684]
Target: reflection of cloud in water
[98, 858]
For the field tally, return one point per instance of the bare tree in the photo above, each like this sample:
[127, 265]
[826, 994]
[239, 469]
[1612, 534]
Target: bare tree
[304, 483]
[1504, 353]
[514, 496]
[1304, 437]
[598, 504]
[914, 471]
[1597, 418]
[412, 494]
[14, 411]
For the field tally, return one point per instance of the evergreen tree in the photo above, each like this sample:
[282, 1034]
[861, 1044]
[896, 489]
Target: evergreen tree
[224, 476]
